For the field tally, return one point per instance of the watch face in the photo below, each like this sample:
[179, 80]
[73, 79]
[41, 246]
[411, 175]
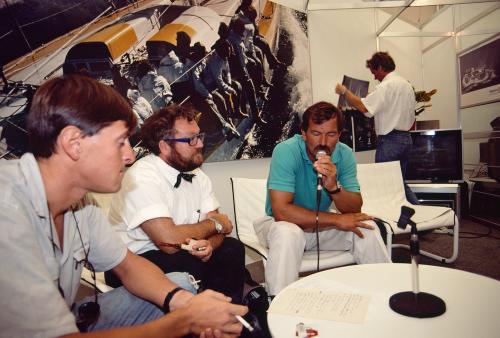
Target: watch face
[218, 226]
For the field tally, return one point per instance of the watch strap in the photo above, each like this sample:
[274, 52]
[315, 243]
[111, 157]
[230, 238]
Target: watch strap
[168, 298]
[334, 191]
[218, 226]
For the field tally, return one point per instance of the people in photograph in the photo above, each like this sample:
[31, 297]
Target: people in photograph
[218, 81]
[211, 103]
[167, 200]
[238, 62]
[246, 8]
[152, 86]
[120, 82]
[51, 228]
[289, 227]
[140, 106]
[171, 68]
[392, 104]
[253, 55]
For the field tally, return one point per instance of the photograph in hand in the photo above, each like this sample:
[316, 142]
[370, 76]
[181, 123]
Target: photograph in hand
[359, 130]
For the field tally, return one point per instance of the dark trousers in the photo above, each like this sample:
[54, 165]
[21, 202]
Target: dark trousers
[224, 272]
[396, 146]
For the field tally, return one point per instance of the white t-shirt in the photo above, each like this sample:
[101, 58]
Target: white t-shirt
[392, 103]
[30, 301]
[148, 192]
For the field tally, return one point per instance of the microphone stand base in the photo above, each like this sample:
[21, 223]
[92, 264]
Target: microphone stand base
[419, 305]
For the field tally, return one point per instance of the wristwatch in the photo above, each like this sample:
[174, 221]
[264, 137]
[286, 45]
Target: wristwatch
[334, 191]
[218, 226]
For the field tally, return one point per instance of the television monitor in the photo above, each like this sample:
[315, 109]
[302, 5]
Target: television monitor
[436, 156]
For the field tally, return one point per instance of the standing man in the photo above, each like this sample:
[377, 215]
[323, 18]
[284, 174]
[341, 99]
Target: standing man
[166, 199]
[51, 228]
[288, 228]
[393, 105]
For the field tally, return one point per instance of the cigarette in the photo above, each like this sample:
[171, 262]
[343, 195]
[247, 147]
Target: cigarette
[244, 323]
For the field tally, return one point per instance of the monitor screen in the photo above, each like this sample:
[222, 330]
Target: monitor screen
[436, 156]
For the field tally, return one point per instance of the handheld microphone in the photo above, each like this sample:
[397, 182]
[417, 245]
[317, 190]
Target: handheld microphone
[322, 151]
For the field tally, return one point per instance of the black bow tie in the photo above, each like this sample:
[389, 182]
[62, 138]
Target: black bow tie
[187, 177]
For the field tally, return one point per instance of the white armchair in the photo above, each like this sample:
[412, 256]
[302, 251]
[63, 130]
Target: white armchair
[249, 198]
[383, 195]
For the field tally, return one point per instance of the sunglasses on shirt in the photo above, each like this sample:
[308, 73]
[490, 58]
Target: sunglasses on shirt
[89, 312]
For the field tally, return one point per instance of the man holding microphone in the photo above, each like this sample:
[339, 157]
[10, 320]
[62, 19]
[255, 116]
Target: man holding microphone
[289, 227]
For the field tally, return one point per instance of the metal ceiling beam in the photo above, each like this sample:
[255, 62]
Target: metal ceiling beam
[462, 27]
[393, 17]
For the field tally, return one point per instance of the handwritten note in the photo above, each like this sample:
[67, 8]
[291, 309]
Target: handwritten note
[318, 304]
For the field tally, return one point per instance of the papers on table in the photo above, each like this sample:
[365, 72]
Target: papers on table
[321, 304]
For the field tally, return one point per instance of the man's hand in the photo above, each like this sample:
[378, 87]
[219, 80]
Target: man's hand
[227, 226]
[213, 310]
[340, 89]
[325, 167]
[351, 222]
[202, 249]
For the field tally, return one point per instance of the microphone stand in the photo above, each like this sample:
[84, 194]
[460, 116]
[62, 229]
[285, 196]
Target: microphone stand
[415, 303]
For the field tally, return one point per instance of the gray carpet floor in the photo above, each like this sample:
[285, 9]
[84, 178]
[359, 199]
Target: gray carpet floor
[479, 250]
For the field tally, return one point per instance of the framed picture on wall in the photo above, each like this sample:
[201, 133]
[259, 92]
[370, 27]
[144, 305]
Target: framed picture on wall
[479, 73]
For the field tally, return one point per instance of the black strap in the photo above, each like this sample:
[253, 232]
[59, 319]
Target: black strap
[168, 298]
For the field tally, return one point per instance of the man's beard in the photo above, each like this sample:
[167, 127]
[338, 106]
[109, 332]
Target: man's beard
[176, 161]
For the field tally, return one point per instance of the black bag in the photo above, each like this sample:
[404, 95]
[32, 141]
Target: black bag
[256, 299]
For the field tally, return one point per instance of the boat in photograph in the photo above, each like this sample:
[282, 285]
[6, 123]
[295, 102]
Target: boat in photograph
[112, 47]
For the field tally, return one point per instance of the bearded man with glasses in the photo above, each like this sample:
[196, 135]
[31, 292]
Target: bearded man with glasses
[167, 202]
[51, 227]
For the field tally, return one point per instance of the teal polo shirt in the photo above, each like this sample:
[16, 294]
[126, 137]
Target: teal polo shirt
[292, 171]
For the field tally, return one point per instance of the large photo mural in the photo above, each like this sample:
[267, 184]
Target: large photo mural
[245, 67]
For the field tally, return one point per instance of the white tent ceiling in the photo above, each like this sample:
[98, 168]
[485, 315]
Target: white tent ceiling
[311, 5]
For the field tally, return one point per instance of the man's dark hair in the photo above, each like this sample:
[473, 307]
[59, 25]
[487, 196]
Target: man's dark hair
[321, 112]
[246, 3]
[160, 125]
[143, 67]
[381, 59]
[183, 45]
[73, 100]
[223, 30]
[250, 12]
[223, 48]
[238, 26]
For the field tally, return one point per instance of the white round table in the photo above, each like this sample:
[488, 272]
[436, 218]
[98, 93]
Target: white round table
[472, 303]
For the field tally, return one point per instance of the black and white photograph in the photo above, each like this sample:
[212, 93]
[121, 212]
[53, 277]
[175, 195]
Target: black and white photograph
[358, 131]
[158, 52]
[479, 73]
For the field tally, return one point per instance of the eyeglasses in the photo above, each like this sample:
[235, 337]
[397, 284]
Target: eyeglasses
[193, 140]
